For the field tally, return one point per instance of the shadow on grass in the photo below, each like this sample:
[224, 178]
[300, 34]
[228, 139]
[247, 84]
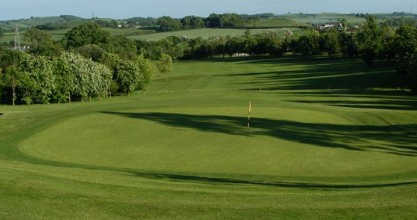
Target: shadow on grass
[215, 180]
[393, 139]
[191, 178]
[387, 104]
[315, 74]
[290, 130]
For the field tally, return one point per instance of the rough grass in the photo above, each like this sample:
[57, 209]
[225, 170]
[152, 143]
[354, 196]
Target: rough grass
[329, 139]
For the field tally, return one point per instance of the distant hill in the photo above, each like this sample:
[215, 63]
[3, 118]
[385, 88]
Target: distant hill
[147, 27]
[48, 23]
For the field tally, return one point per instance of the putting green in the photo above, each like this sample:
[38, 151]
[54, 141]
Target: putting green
[196, 141]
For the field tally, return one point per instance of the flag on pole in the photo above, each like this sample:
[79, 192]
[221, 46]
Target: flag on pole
[249, 112]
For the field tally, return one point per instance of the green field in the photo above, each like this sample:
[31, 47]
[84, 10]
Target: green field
[207, 33]
[329, 139]
[154, 36]
[56, 35]
[324, 18]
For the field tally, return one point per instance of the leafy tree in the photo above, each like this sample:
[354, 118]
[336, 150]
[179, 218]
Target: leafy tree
[41, 43]
[167, 23]
[404, 48]
[121, 46]
[214, 20]
[348, 45]
[192, 22]
[88, 33]
[232, 20]
[165, 63]
[370, 41]
[330, 43]
[126, 73]
[147, 69]
[10, 60]
[14, 78]
[81, 77]
[224, 20]
[308, 44]
[92, 51]
[39, 83]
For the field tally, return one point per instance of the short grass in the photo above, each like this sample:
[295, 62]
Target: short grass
[328, 139]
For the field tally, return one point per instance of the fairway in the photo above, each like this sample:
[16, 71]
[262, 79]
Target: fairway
[329, 138]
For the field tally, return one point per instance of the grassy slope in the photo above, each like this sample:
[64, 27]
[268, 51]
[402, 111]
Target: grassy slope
[320, 146]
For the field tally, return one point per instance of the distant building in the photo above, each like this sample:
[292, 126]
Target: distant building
[328, 26]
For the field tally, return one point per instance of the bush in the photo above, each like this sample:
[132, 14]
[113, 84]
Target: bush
[165, 63]
[81, 78]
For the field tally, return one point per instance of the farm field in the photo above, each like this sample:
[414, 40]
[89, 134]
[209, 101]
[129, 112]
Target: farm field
[323, 18]
[137, 34]
[328, 139]
[207, 33]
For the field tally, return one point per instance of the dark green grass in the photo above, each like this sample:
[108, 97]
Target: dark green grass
[329, 138]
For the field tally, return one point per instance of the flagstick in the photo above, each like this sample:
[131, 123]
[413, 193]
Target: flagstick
[249, 112]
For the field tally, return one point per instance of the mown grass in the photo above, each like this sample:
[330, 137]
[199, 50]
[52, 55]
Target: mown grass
[330, 138]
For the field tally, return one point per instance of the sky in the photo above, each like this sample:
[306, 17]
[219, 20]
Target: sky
[12, 9]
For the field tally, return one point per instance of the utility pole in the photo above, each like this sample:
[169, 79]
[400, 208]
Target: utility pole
[17, 45]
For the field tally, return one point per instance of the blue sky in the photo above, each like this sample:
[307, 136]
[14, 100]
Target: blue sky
[11, 9]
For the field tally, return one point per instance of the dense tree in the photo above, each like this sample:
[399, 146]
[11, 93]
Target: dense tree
[167, 23]
[308, 44]
[192, 22]
[330, 42]
[41, 43]
[92, 51]
[39, 83]
[127, 74]
[81, 78]
[165, 63]
[29, 78]
[348, 45]
[224, 20]
[122, 46]
[12, 77]
[1, 32]
[214, 20]
[88, 33]
[404, 48]
[147, 69]
[370, 41]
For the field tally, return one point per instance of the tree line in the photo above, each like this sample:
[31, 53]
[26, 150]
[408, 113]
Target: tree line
[91, 63]
[88, 63]
[227, 20]
[374, 42]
